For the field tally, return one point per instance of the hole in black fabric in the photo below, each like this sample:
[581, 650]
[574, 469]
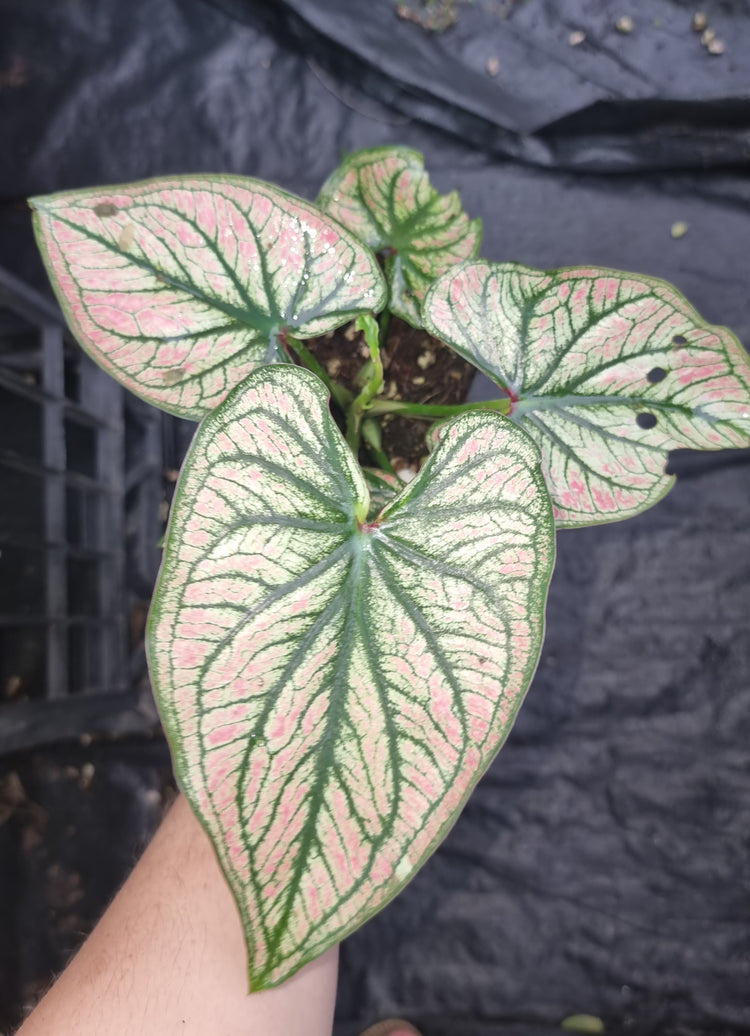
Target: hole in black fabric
[645, 420]
[656, 375]
[679, 340]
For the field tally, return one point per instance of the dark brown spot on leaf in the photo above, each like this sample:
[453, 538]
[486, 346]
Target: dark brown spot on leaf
[172, 377]
[104, 209]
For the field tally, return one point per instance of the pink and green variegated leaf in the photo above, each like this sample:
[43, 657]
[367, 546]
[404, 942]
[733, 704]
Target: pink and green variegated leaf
[607, 371]
[333, 689]
[385, 197]
[433, 434]
[179, 287]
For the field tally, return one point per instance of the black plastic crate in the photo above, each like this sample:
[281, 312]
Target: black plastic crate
[81, 514]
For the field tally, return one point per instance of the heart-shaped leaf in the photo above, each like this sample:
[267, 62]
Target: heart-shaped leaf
[384, 196]
[333, 689]
[607, 371]
[179, 287]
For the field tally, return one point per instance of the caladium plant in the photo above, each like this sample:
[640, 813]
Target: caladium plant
[337, 656]
[384, 195]
[607, 372]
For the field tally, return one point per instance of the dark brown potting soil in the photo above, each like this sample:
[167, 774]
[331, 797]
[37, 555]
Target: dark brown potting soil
[418, 368]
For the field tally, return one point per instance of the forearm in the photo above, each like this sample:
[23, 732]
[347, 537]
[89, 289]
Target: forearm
[168, 957]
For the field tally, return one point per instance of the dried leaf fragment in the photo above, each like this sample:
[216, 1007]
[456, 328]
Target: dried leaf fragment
[173, 376]
[127, 235]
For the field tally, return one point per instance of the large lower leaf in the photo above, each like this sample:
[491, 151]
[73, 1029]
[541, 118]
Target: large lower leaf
[607, 371]
[179, 287]
[384, 195]
[332, 688]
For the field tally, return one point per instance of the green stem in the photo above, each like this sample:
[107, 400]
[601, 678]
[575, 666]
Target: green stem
[373, 437]
[339, 394]
[383, 462]
[373, 386]
[389, 406]
[385, 321]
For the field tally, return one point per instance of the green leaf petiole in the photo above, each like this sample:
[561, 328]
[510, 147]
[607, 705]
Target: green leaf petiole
[374, 384]
[372, 436]
[428, 410]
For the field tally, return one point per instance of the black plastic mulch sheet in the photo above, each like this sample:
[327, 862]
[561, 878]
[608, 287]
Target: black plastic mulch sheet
[602, 864]
[558, 83]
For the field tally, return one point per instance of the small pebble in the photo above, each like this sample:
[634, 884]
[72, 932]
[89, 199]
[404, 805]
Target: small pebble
[625, 24]
[576, 38]
[493, 67]
[87, 776]
[14, 793]
[407, 474]
[716, 46]
[699, 21]
[419, 380]
[13, 686]
[678, 229]
[708, 37]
